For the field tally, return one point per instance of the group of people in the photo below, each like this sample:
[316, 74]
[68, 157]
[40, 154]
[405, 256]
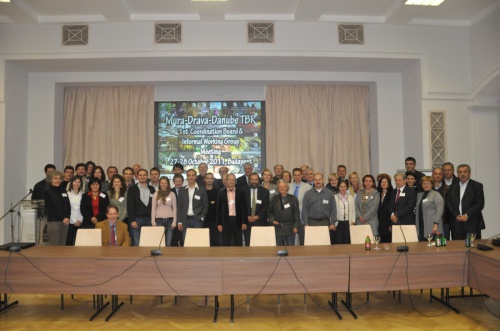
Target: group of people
[87, 197]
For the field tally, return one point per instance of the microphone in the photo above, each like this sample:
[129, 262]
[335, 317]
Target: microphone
[157, 252]
[483, 247]
[405, 247]
[283, 252]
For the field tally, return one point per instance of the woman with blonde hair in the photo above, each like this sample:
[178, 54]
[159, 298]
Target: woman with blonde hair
[267, 176]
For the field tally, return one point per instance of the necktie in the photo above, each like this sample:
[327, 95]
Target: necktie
[113, 240]
[397, 195]
[296, 191]
[254, 202]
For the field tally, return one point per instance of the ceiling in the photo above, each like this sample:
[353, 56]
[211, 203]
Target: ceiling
[450, 13]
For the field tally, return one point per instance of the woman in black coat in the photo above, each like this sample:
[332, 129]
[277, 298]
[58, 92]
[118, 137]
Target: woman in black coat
[93, 205]
[384, 215]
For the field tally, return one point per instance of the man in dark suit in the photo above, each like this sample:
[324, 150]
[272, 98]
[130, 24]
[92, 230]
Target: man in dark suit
[231, 213]
[178, 180]
[465, 202]
[193, 204]
[113, 232]
[257, 204]
[449, 174]
[403, 202]
[139, 205]
[284, 214]
[244, 181]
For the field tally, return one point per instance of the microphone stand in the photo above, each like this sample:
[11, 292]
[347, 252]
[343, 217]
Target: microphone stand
[11, 212]
[282, 252]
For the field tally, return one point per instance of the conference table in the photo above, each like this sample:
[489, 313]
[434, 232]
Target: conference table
[217, 271]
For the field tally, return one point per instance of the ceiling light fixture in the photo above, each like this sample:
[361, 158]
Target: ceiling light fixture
[4, 0]
[424, 2]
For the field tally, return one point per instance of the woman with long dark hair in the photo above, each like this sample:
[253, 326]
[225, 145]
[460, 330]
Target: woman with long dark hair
[384, 214]
[75, 198]
[164, 208]
[94, 204]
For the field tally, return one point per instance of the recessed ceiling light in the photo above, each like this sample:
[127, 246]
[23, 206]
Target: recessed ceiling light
[424, 2]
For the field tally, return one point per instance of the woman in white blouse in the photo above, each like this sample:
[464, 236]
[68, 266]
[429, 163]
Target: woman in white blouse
[75, 197]
[164, 208]
[346, 214]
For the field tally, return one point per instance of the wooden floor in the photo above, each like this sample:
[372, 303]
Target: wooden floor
[42, 312]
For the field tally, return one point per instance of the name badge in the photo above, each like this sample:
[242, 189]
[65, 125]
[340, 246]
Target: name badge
[168, 199]
[121, 199]
[65, 195]
[272, 191]
[258, 201]
[425, 200]
[231, 202]
[287, 206]
[402, 194]
[197, 197]
[325, 202]
[102, 195]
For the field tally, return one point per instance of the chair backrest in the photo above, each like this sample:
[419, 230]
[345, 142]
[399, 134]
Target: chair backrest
[197, 237]
[263, 236]
[410, 233]
[88, 237]
[358, 233]
[316, 235]
[151, 236]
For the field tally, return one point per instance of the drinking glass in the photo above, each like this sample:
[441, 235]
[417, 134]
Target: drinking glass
[429, 237]
[376, 238]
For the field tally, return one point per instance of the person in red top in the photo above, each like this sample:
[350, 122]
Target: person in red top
[93, 205]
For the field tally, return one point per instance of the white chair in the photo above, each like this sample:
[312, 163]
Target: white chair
[263, 236]
[316, 236]
[197, 237]
[410, 234]
[152, 236]
[358, 233]
[88, 237]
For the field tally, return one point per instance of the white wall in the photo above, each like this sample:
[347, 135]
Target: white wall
[412, 118]
[484, 49]
[13, 178]
[445, 69]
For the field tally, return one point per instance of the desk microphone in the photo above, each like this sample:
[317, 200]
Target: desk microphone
[157, 252]
[405, 247]
[483, 247]
[283, 252]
